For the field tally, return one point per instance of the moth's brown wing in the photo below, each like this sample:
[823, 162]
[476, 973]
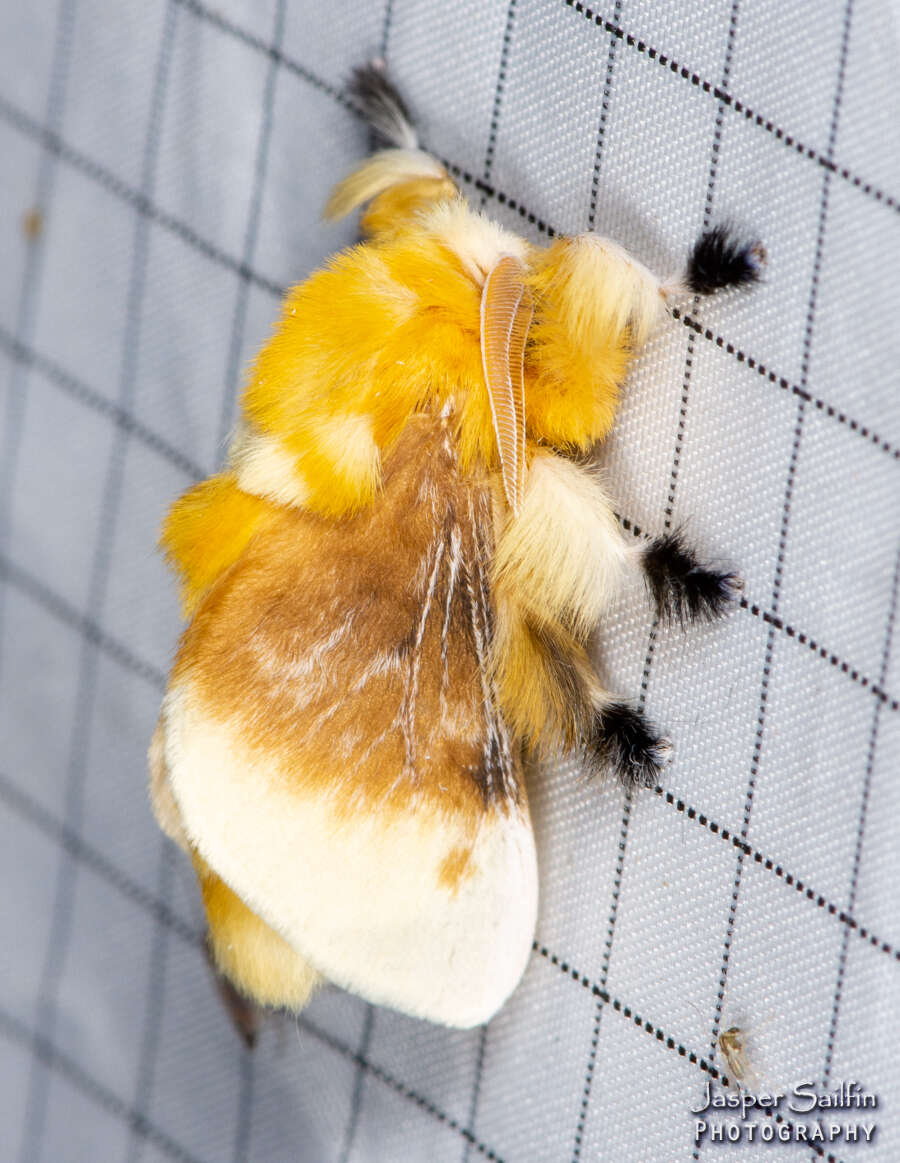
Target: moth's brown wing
[335, 749]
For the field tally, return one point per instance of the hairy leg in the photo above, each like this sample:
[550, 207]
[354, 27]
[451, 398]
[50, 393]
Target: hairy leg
[721, 258]
[621, 740]
[682, 588]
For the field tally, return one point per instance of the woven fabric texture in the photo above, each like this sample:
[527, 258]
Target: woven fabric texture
[165, 165]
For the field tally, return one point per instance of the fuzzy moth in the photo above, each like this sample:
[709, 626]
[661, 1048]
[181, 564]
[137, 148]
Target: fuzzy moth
[390, 590]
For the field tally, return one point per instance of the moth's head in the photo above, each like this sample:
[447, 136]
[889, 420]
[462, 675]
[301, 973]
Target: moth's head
[593, 305]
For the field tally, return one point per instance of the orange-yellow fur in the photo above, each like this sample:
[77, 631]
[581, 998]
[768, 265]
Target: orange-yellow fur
[386, 330]
[250, 953]
[207, 530]
[595, 308]
[542, 712]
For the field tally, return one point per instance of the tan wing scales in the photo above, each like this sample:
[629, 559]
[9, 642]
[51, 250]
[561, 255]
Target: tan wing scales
[336, 752]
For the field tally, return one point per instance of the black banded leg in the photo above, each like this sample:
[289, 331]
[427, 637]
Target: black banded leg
[621, 740]
[721, 257]
[684, 590]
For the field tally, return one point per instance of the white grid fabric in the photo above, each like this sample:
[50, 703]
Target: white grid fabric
[179, 152]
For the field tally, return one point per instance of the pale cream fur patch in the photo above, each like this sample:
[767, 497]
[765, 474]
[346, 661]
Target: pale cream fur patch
[563, 556]
[365, 900]
[348, 443]
[264, 468]
[165, 807]
[620, 289]
[477, 241]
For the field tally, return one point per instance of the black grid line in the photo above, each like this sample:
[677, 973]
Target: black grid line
[605, 100]
[246, 1096]
[76, 389]
[707, 220]
[398, 1087]
[605, 998]
[56, 1060]
[251, 40]
[27, 125]
[642, 1023]
[652, 638]
[712, 174]
[251, 233]
[476, 1088]
[27, 808]
[786, 385]
[154, 1004]
[386, 27]
[52, 141]
[771, 865]
[782, 545]
[32, 587]
[62, 916]
[861, 826]
[826, 161]
[356, 1099]
[803, 639]
[585, 1099]
[505, 46]
[30, 288]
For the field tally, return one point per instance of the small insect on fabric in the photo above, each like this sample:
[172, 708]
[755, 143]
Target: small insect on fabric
[391, 588]
[733, 1045]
